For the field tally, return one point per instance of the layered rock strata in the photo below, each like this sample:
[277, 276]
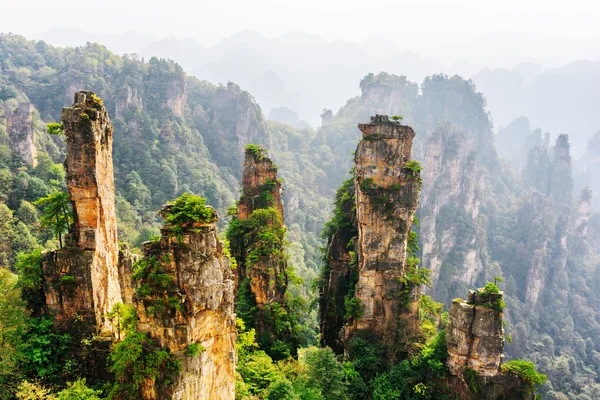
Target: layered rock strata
[197, 310]
[387, 194]
[90, 179]
[82, 279]
[475, 334]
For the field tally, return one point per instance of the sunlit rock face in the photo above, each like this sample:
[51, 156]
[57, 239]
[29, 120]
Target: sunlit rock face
[200, 311]
[475, 335]
[90, 180]
[387, 196]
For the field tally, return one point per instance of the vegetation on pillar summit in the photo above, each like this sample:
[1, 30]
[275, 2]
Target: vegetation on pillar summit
[190, 208]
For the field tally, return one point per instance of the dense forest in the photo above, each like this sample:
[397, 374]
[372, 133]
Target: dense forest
[514, 209]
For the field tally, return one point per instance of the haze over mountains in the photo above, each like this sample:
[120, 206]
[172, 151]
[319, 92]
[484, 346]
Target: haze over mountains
[556, 88]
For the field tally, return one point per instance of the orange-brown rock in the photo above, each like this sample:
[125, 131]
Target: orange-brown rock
[200, 311]
[387, 196]
[259, 178]
[89, 175]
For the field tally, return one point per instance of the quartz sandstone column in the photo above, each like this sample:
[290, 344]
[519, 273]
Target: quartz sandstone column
[89, 175]
[203, 287]
[387, 196]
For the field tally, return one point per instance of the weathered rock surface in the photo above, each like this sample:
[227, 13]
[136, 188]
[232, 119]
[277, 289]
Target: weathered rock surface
[90, 179]
[475, 335]
[261, 189]
[204, 290]
[260, 176]
[20, 129]
[387, 196]
[452, 187]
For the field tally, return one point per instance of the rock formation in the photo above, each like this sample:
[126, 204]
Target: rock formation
[260, 185]
[450, 204]
[475, 335]
[584, 210]
[20, 129]
[185, 305]
[261, 189]
[387, 194]
[195, 310]
[89, 175]
[257, 241]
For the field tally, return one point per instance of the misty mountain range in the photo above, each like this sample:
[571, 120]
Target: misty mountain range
[306, 74]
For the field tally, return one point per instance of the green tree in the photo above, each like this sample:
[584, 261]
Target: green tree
[57, 213]
[78, 391]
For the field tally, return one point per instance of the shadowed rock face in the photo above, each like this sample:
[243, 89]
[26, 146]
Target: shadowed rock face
[203, 288]
[387, 196]
[20, 129]
[89, 175]
[475, 335]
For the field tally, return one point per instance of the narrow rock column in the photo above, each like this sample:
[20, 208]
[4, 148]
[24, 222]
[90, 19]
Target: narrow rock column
[261, 189]
[90, 180]
[387, 196]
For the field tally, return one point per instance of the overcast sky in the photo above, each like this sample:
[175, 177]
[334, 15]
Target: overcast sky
[420, 22]
[543, 27]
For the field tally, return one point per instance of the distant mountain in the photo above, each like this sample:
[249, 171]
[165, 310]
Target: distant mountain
[119, 43]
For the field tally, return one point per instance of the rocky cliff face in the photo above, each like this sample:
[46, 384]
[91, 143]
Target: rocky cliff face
[450, 204]
[475, 335]
[196, 309]
[20, 129]
[90, 181]
[387, 194]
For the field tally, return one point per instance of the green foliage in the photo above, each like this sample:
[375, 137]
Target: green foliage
[194, 349]
[414, 168]
[56, 128]
[526, 371]
[486, 297]
[136, 359]
[354, 308]
[13, 323]
[57, 213]
[367, 184]
[155, 287]
[256, 150]
[78, 390]
[123, 318]
[397, 117]
[417, 378]
[189, 208]
[45, 351]
[281, 390]
[33, 391]
[29, 266]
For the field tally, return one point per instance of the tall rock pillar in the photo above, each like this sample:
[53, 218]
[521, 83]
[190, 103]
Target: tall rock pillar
[387, 193]
[190, 306]
[89, 174]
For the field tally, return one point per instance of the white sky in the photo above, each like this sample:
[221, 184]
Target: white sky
[411, 24]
